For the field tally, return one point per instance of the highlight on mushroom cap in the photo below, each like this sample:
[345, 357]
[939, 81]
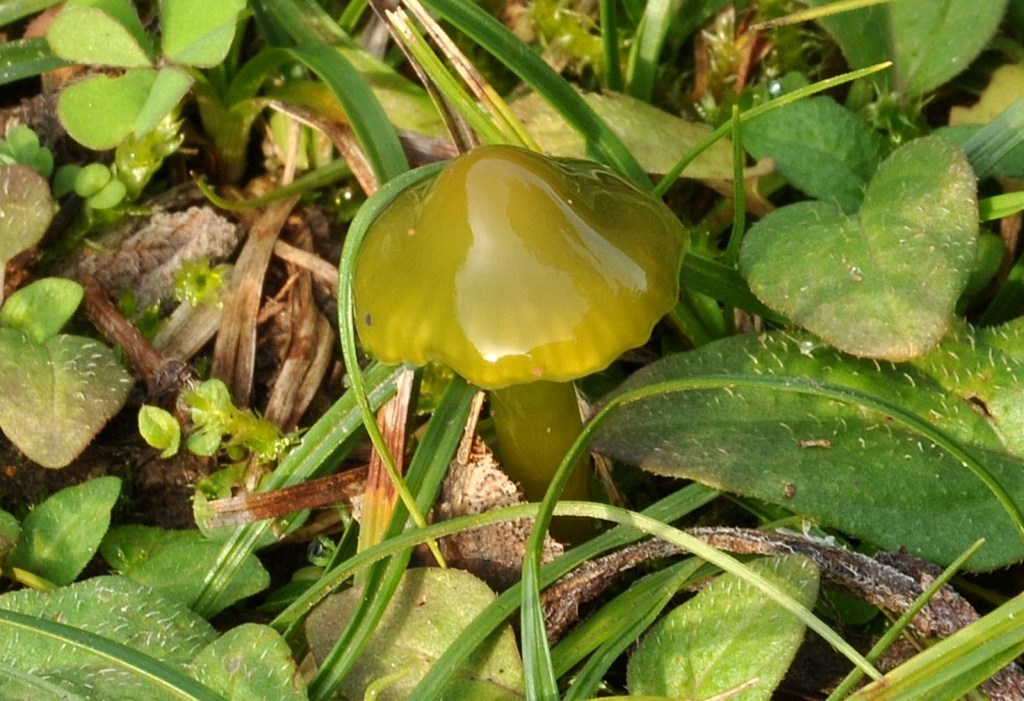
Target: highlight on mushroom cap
[510, 267]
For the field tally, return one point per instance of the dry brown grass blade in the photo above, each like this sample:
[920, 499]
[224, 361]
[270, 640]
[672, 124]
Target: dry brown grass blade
[246, 508]
[307, 355]
[234, 354]
[343, 138]
[380, 494]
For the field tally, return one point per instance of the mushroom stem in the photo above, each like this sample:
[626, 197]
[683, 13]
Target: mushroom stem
[536, 424]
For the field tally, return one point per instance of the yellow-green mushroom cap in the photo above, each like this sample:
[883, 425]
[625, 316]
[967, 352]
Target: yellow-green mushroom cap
[510, 267]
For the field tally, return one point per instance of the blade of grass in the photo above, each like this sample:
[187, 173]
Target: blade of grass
[956, 665]
[502, 117]
[897, 628]
[996, 139]
[44, 688]
[368, 212]
[999, 206]
[434, 73]
[304, 22]
[732, 252]
[720, 282]
[316, 179]
[25, 58]
[697, 547]
[365, 114]
[647, 45]
[154, 672]
[610, 43]
[496, 39]
[1006, 303]
[816, 13]
[301, 21]
[534, 638]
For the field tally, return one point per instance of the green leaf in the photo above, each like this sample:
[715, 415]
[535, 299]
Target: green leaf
[112, 194]
[873, 449]
[250, 663]
[40, 309]
[10, 530]
[929, 42]
[170, 86]
[429, 609]
[160, 429]
[820, 147]
[26, 209]
[657, 139]
[726, 636]
[173, 563]
[64, 390]
[90, 35]
[882, 283]
[152, 639]
[197, 32]
[100, 111]
[61, 535]
[22, 144]
[123, 11]
[985, 369]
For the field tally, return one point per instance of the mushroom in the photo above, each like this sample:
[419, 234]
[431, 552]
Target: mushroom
[521, 273]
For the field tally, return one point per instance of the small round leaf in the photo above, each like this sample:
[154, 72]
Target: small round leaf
[112, 194]
[197, 32]
[41, 308]
[100, 111]
[26, 209]
[90, 35]
[160, 429]
[91, 179]
[67, 388]
[170, 86]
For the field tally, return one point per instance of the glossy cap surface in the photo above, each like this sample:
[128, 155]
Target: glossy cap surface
[510, 267]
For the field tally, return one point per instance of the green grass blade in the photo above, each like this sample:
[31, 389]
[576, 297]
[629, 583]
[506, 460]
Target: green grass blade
[160, 675]
[897, 628]
[647, 45]
[1006, 304]
[610, 44]
[368, 212]
[996, 139]
[954, 666]
[365, 114]
[316, 35]
[25, 58]
[300, 21]
[496, 39]
[847, 395]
